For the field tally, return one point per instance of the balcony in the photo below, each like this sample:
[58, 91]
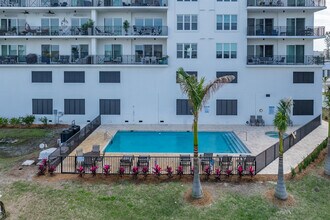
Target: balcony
[314, 5]
[83, 3]
[286, 31]
[54, 31]
[33, 59]
[285, 60]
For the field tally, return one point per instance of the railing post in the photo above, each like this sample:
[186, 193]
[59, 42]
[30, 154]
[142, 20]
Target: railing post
[75, 164]
[61, 164]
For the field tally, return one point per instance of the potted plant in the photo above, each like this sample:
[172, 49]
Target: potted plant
[88, 27]
[126, 26]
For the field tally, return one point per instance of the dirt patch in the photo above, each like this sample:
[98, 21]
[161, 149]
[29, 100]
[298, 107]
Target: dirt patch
[206, 200]
[289, 202]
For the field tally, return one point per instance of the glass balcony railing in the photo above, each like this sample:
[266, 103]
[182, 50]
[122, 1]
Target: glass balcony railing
[286, 3]
[76, 31]
[84, 3]
[285, 60]
[287, 31]
[56, 59]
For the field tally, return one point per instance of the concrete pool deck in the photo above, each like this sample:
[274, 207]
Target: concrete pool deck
[253, 137]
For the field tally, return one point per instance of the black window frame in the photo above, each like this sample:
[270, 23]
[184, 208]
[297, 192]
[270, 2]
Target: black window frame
[112, 109]
[183, 103]
[304, 108]
[109, 76]
[41, 76]
[73, 106]
[230, 107]
[303, 77]
[74, 76]
[42, 106]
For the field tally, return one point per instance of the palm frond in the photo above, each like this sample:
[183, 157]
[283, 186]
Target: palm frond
[282, 116]
[212, 87]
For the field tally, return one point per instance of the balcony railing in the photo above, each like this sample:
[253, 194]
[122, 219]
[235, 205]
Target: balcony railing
[287, 31]
[78, 31]
[287, 3]
[84, 3]
[285, 60]
[88, 60]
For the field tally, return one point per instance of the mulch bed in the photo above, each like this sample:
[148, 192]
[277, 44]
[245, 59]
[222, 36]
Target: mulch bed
[206, 200]
[270, 196]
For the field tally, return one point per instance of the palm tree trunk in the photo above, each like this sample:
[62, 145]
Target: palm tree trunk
[280, 191]
[327, 161]
[197, 187]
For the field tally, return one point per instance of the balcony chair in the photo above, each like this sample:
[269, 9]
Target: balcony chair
[253, 121]
[260, 121]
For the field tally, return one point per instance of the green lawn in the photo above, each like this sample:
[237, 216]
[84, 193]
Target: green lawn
[23, 135]
[127, 200]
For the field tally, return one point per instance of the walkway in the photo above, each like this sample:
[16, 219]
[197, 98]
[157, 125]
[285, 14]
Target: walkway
[298, 152]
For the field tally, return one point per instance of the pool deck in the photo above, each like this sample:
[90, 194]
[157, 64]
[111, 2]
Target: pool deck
[253, 137]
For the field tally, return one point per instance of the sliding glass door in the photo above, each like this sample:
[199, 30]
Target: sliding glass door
[295, 53]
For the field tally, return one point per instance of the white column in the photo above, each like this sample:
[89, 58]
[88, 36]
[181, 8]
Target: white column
[93, 40]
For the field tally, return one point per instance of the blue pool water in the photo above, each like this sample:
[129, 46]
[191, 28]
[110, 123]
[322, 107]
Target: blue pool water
[175, 142]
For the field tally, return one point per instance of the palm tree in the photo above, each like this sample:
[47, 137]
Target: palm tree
[327, 104]
[281, 119]
[198, 95]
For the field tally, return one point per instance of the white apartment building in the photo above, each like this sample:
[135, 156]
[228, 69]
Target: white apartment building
[119, 58]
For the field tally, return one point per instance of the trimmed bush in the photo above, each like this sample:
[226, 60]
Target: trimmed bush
[293, 172]
[3, 122]
[28, 120]
[44, 120]
[15, 121]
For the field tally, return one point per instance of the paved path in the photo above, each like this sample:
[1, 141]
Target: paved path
[299, 151]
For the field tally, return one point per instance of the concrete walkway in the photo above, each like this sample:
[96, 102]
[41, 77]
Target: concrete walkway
[299, 151]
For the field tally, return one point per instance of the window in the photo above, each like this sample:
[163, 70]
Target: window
[109, 106]
[191, 73]
[112, 51]
[187, 22]
[42, 106]
[183, 107]
[74, 76]
[186, 51]
[113, 26]
[50, 53]
[226, 0]
[78, 52]
[41, 76]
[14, 53]
[219, 74]
[226, 22]
[74, 106]
[303, 77]
[303, 107]
[50, 26]
[187, 0]
[226, 107]
[226, 50]
[109, 77]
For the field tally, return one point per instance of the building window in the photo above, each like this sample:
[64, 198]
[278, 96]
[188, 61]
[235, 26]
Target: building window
[42, 106]
[109, 77]
[50, 53]
[109, 106]
[187, 0]
[219, 74]
[303, 77]
[226, 106]
[13, 53]
[303, 107]
[226, 22]
[226, 0]
[226, 50]
[74, 106]
[41, 76]
[74, 76]
[191, 73]
[186, 51]
[183, 107]
[187, 22]
[79, 54]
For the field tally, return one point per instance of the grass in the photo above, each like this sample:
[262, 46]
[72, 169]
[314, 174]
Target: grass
[126, 200]
[8, 162]
[23, 135]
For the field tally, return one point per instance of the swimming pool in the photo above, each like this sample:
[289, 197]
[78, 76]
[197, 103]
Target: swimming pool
[174, 142]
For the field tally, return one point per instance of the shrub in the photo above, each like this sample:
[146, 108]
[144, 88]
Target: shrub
[217, 173]
[169, 171]
[240, 170]
[229, 172]
[41, 169]
[15, 121]
[93, 170]
[28, 120]
[300, 167]
[121, 171]
[179, 171]
[208, 171]
[251, 171]
[293, 172]
[44, 120]
[106, 169]
[145, 171]
[135, 171]
[156, 170]
[81, 171]
[51, 170]
[3, 122]
[44, 162]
